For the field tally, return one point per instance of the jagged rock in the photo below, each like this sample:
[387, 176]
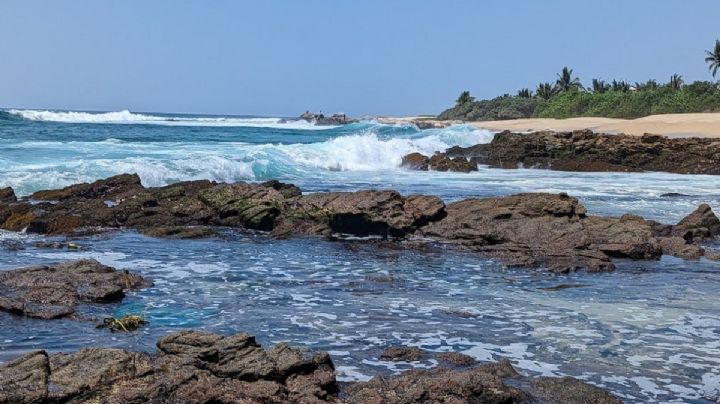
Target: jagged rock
[201, 367]
[587, 151]
[679, 247]
[7, 195]
[482, 384]
[402, 353]
[702, 223]
[322, 120]
[534, 230]
[441, 162]
[524, 230]
[49, 292]
[99, 189]
[438, 162]
[25, 380]
[416, 161]
[363, 213]
[456, 359]
[190, 367]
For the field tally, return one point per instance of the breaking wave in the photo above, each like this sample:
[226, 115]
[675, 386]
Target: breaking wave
[127, 117]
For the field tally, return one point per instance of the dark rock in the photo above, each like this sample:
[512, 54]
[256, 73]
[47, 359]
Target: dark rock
[456, 359]
[416, 161]
[477, 385]
[438, 162]
[567, 390]
[7, 195]
[587, 151]
[524, 230]
[679, 247]
[48, 292]
[402, 353]
[25, 380]
[533, 230]
[99, 189]
[190, 367]
[441, 162]
[362, 213]
[701, 223]
[201, 367]
[673, 195]
[322, 120]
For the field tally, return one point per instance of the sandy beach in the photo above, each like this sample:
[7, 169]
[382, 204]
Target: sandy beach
[672, 125]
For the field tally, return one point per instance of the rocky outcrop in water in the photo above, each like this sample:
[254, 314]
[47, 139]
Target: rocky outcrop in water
[438, 162]
[54, 291]
[201, 367]
[534, 230]
[322, 120]
[587, 151]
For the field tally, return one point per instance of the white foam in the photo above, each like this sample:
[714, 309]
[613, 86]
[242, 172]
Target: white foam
[127, 117]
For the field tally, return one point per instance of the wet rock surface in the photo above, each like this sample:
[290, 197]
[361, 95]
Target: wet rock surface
[532, 230]
[48, 292]
[438, 162]
[587, 151]
[201, 367]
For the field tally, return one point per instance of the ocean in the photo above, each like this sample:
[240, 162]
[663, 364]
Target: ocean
[649, 331]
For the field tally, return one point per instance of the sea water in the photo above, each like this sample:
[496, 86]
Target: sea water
[650, 331]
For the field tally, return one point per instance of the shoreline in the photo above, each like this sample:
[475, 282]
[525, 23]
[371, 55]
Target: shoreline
[705, 125]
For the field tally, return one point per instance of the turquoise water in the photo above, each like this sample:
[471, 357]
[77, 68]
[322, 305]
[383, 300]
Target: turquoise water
[648, 331]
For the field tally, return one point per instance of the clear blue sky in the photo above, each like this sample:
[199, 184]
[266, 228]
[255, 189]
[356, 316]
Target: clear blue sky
[370, 57]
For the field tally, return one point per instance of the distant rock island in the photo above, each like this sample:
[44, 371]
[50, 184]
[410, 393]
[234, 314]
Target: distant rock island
[318, 118]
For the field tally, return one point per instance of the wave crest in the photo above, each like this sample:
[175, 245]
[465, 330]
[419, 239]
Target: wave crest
[127, 117]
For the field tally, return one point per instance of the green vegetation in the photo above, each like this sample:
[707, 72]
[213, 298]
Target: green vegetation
[567, 98]
[126, 323]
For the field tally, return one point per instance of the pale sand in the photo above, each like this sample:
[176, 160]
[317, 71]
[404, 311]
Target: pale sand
[672, 125]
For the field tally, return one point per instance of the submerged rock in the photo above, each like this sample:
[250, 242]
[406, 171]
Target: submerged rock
[201, 367]
[49, 292]
[402, 353]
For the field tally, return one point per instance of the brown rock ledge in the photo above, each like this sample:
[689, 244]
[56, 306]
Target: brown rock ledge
[532, 230]
[201, 367]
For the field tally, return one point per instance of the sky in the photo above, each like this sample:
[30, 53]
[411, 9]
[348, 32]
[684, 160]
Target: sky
[372, 57]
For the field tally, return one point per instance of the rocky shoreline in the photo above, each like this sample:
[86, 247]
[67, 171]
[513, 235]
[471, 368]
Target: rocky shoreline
[201, 367]
[580, 150]
[552, 231]
[549, 231]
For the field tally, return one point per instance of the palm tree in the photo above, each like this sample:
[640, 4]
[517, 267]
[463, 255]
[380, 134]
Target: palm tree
[648, 85]
[676, 82]
[525, 93]
[566, 81]
[621, 85]
[545, 91]
[713, 58]
[464, 98]
[600, 86]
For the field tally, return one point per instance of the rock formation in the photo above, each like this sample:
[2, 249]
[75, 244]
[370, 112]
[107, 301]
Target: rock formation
[201, 367]
[533, 230]
[48, 292]
[587, 151]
